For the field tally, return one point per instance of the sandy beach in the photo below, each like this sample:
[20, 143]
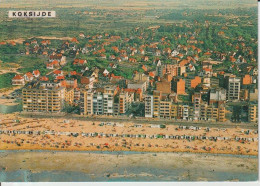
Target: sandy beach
[59, 134]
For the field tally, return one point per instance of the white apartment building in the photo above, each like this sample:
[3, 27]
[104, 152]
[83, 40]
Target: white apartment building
[149, 106]
[108, 100]
[196, 102]
[97, 102]
[233, 88]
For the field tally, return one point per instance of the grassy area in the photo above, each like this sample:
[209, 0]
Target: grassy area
[32, 62]
[6, 80]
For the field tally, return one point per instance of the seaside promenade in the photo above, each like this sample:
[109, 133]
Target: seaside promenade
[142, 120]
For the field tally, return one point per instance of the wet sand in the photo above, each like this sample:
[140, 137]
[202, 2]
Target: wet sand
[179, 166]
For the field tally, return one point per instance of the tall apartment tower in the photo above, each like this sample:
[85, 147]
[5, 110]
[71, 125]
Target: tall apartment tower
[86, 102]
[196, 103]
[83, 106]
[123, 102]
[148, 106]
[108, 100]
[233, 90]
[156, 103]
[97, 102]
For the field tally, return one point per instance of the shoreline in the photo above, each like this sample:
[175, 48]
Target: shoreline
[127, 152]
[115, 150]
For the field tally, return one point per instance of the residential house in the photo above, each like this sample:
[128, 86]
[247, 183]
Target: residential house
[52, 65]
[36, 73]
[28, 77]
[79, 62]
[58, 57]
[58, 73]
[18, 80]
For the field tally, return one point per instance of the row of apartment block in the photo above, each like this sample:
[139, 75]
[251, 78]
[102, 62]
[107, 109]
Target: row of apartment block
[157, 107]
[46, 97]
[105, 101]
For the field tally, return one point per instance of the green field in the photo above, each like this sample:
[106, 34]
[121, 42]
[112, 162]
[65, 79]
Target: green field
[103, 15]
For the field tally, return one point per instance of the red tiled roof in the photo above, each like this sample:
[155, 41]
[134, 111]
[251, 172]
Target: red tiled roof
[18, 77]
[36, 72]
[144, 68]
[132, 60]
[60, 77]
[207, 53]
[232, 59]
[79, 61]
[184, 62]
[57, 72]
[151, 74]
[29, 74]
[73, 73]
[74, 40]
[207, 69]
[116, 77]
[56, 56]
[44, 78]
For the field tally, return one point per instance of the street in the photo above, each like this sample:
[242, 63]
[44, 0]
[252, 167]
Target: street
[148, 121]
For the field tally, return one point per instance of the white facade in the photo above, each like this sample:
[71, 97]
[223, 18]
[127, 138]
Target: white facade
[136, 85]
[98, 103]
[218, 95]
[185, 114]
[197, 101]
[108, 102]
[149, 106]
[233, 88]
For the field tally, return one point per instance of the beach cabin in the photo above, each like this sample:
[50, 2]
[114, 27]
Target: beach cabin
[155, 126]
[109, 124]
[66, 121]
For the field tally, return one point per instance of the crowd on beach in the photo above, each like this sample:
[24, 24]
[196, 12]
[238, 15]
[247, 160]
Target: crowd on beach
[144, 136]
[58, 134]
